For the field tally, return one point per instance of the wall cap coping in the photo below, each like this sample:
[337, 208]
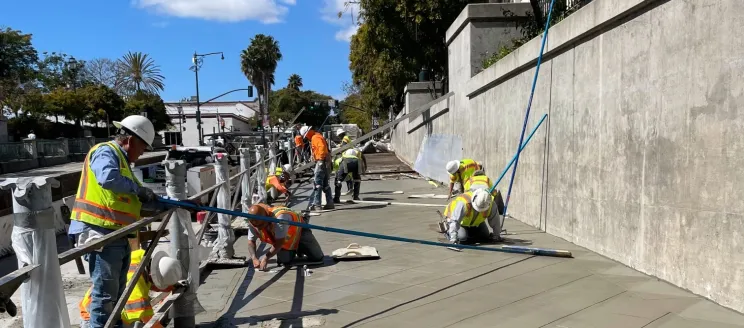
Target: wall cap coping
[484, 12]
[591, 19]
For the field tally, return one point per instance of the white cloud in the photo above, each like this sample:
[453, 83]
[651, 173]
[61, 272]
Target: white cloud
[348, 26]
[265, 11]
[346, 33]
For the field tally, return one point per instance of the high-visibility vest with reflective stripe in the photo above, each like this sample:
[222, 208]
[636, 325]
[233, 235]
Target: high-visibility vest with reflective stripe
[292, 239]
[102, 207]
[138, 307]
[337, 163]
[466, 170]
[471, 218]
[346, 140]
[478, 182]
[357, 154]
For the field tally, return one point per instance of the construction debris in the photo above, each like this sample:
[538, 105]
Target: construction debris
[355, 252]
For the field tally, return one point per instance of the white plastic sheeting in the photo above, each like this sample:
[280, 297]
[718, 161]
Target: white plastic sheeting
[34, 242]
[223, 247]
[435, 151]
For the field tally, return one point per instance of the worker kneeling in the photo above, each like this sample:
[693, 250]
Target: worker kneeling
[160, 275]
[277, 184]
[349, 165]
[461, 171]
[467, 215]
[286, 241]
[480, 180]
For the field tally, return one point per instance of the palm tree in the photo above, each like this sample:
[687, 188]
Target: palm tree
[294, 82]
[138, 72]
[258, 62]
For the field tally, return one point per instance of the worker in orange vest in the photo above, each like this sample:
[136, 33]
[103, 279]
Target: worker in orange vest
[161, 275]
[286, 241]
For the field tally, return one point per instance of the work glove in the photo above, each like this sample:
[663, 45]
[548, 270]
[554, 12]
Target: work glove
[146, 195]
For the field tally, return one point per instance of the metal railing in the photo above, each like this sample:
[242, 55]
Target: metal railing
[78, 146]
[51, 148]
[239, 184]
[14, 151]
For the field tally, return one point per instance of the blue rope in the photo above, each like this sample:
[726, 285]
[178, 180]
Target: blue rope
[529, 107]
[502, 249]
[520, 150]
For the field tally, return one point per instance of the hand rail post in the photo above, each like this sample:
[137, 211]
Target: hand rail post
[223, 246]
[175, 184]
[272, 158]
[43, 301]
[246, 191]
[261, 174]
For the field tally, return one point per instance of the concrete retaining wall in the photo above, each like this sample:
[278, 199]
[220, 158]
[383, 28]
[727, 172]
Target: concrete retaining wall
[641, 158]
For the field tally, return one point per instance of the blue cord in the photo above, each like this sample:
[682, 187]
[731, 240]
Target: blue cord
[529, 107]
[520, 150]
[502, 249]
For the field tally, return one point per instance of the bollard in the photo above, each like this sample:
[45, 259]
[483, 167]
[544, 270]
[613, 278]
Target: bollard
[261, 174]
[223, 246]
[246, 191]
[34, 241]
[182, 245]
[291, 159]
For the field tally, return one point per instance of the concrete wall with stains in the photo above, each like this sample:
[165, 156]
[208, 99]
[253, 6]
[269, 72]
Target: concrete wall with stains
[642, 154]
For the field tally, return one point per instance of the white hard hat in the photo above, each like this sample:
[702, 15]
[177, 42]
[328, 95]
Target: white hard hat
[340, 131]
[351, 152]
[286, 167]
[165, 271]
[453, 166]
[139, 126]
[303, 130]
[481, 200]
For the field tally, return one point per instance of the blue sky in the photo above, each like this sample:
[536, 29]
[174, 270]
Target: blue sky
[313, 40]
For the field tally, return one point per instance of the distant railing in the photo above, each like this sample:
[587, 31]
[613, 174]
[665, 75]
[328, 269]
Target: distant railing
[78, 146]
[51, 148]
[14, 151]
[561, 9]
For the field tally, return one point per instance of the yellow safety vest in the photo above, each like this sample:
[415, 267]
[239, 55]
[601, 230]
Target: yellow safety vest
[336, 164]
[357, 155]
[471, 218]
[346, 140]
[478, 181]
[102, 207]
[466, 170]
[138, 307]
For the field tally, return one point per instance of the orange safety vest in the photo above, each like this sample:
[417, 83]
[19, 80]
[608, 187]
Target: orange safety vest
[292, 239]
[471, 218]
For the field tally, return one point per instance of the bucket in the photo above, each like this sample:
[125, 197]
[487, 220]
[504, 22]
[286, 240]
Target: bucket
[200, 216]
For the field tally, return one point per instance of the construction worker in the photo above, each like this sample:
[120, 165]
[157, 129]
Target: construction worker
[350, 164]
[466, 217]
[460, 171]
[322, 171]
[160, 277]
[278, 183]
[341, 134]
[300, 154]
[285, 241]
[110, 197]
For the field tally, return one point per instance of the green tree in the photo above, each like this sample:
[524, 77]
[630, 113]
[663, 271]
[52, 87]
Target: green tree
[60, 70]
[67, 103]
[258, 62]
[138, 72]
[152, 105]
[17, 60]
[294, 82]
[102, 104]
[396, 39]
[286, 103]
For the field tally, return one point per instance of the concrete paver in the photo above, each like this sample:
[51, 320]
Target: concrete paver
[422, 286]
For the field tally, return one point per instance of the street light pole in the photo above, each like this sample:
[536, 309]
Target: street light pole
[180, 125]
[196, 60]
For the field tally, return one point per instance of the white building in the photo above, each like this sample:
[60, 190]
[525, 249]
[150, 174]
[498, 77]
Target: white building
[236, 115]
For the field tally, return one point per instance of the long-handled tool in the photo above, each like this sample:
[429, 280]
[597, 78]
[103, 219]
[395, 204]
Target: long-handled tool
[502, 249]
[443, 229]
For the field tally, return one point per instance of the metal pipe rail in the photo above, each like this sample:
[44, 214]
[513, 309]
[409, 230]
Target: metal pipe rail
[10, 282]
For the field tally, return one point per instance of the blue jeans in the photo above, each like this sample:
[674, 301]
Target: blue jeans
[108, 270]
[321, 184]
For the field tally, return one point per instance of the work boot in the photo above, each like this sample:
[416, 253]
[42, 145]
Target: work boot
[329, 207]
[337, 200]
[357, 185]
